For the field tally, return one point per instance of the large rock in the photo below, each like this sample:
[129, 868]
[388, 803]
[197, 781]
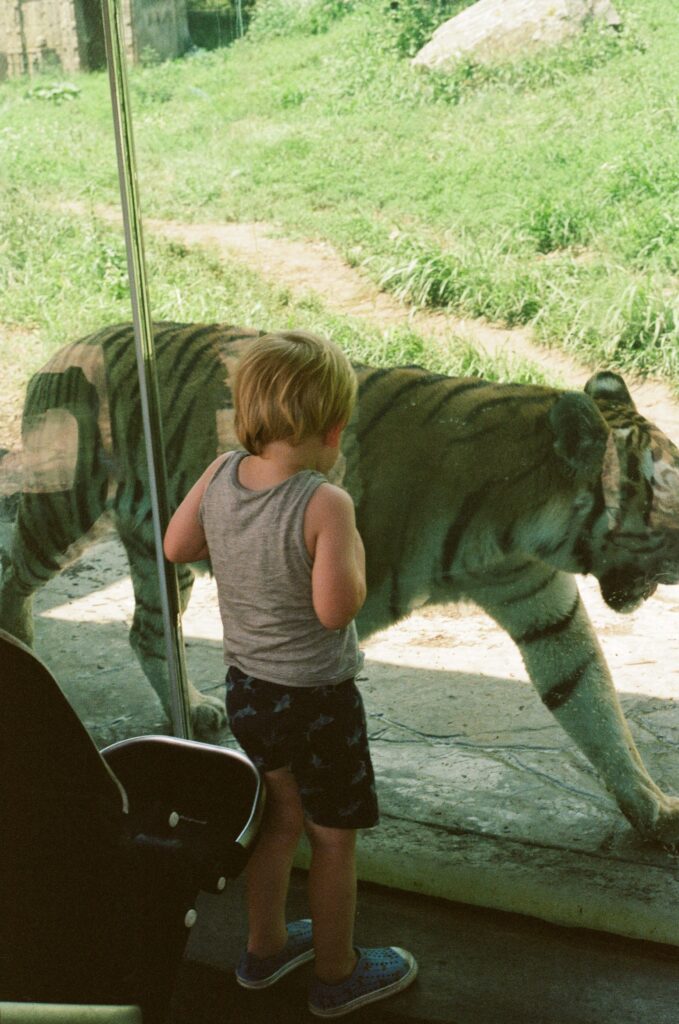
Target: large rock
[493, 30]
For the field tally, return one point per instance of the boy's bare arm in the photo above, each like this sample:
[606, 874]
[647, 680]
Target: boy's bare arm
[184, 539]
[338, 587]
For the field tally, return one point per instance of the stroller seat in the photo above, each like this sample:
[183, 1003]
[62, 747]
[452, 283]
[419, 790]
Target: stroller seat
[103, 854]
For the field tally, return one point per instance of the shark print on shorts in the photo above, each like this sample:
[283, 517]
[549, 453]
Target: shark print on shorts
[319, 733]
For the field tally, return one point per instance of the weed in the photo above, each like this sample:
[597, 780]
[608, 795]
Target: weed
[592, 49]
[149, 57]
[414, 21]
[556, 224]
[643, 326]
[110, 265]
[55, 92]
[401, 346]
[470, 280]
[651, 239]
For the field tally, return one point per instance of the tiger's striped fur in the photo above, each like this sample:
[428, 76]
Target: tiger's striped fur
[495, 493]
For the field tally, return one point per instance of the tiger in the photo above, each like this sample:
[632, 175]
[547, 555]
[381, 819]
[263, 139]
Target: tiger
[465, 489]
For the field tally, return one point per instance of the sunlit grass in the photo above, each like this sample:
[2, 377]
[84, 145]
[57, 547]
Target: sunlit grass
[543, 191]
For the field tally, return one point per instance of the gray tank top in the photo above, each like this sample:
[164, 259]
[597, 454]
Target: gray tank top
[263, 573]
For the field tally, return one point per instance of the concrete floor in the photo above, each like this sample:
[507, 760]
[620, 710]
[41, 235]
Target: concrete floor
[476, 967]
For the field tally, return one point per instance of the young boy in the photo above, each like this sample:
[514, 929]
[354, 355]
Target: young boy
[290, 572]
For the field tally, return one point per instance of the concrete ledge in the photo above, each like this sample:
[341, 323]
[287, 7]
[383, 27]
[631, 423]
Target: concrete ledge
[567, 888]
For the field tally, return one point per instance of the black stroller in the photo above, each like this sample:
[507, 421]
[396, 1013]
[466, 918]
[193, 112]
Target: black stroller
[103, 855]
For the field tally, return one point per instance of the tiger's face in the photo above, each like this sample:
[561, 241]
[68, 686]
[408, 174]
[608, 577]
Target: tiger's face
[635, 543]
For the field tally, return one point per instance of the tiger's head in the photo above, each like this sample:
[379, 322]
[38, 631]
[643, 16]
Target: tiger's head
[630, 536]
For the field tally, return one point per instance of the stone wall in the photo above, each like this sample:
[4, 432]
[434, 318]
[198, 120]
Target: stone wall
[37, 35]
[11, 56]
[159, 26]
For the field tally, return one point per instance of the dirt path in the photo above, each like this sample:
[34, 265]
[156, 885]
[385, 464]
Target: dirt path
[314, 266]
[306, 267]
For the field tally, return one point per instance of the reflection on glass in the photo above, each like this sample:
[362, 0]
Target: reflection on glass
[82, 447]
[76, 612]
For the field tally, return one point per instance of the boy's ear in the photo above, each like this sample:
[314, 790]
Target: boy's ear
[332, 436]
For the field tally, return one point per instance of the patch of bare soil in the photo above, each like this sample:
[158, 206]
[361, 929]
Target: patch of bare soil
[12, 339]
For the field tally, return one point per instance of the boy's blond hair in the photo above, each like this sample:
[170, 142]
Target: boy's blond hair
[290, 386]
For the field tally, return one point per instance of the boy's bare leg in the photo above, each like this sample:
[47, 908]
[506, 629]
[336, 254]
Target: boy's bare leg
[332, 899]
[268, 870]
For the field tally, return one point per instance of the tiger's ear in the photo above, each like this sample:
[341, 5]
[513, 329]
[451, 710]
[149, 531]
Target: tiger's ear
[580, 433]
[609, 385]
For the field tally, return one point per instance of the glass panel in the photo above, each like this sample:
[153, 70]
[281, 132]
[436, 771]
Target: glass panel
[79, 459]
[65, 275]
[66, 581]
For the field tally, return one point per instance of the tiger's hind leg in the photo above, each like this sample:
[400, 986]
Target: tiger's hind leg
[49, 531]
[147, 637]
[16, 601]
[65, 464]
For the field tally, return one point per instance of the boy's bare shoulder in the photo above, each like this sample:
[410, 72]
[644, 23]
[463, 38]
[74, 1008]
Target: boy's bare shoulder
[333, 496]
[330, 503]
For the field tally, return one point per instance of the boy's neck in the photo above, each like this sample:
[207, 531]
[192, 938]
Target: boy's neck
[279, 460]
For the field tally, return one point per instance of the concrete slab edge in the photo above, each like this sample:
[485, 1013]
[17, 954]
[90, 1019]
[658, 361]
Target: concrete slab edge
[563, 887]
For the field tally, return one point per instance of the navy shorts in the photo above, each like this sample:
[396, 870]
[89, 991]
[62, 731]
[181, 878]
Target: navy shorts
[320, 733]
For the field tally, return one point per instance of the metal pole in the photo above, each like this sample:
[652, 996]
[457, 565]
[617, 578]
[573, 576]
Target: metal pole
[25, 62]
[146, 364]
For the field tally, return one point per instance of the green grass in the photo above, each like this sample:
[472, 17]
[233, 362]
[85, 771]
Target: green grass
[543, 192]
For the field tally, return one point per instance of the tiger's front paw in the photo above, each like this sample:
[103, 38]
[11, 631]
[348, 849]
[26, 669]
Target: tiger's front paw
[655, 816]
[208, 714]
[665, 828]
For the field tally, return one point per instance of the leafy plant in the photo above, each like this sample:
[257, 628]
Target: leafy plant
[415, 21]
[55, 92]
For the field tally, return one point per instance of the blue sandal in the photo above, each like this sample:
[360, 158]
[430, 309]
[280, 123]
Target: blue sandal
[379, 973]
[259, 972]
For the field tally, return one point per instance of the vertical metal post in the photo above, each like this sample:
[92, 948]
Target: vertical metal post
[25, 62]
[146, 363]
